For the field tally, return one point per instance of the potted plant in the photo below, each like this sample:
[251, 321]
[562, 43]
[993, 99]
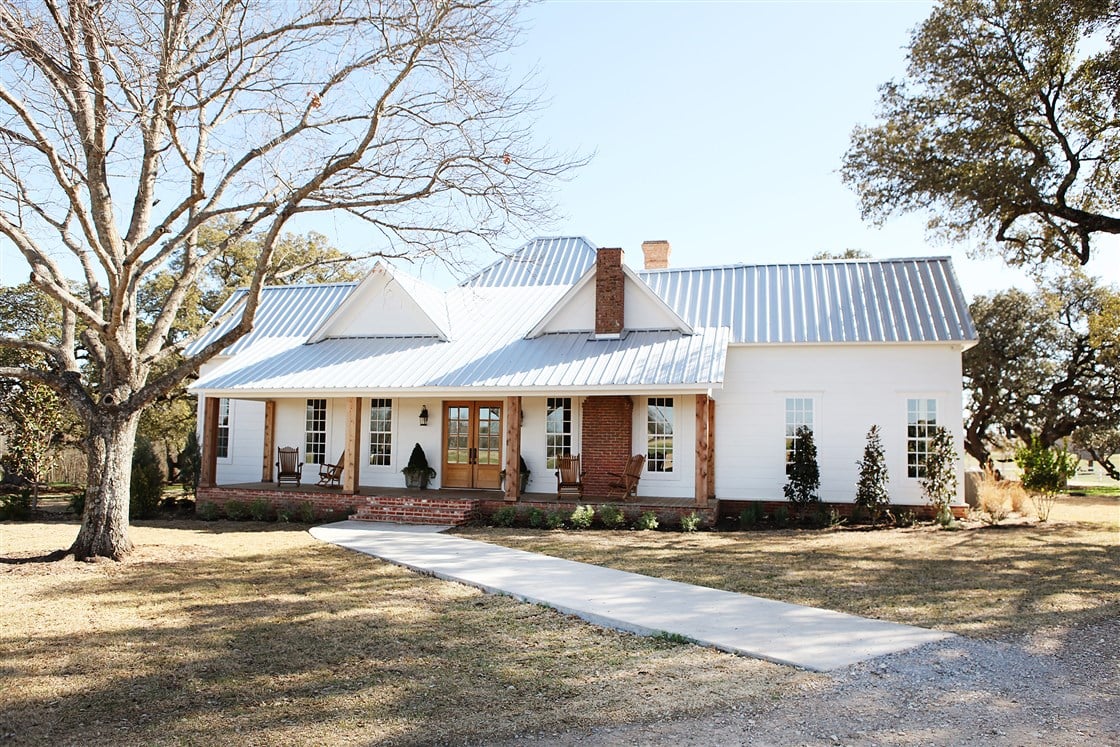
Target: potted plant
[524, 472]
[418, 473]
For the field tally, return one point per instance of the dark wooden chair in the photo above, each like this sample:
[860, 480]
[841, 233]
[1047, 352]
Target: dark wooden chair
[625, 483]
[288, 466]
[569, 477]
[330, 475]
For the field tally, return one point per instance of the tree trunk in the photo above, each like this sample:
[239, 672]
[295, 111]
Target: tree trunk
[104, 531]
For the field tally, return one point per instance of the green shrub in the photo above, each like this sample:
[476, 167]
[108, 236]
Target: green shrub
[207, 511]
[15, 506]
[648, 520]
[750, 516]
[582, 517]
[690, 523]
[536, 518]
[146, 483]
[906, 518]
[78, 503]
[781, 516]
[1045, 474]
[504, 516]
[871, 488]
[236, 510]
[612, 516]
[306, 513]
[804, 473]
[939, 475]
[554, 520]
[190, 463]
[260, 510]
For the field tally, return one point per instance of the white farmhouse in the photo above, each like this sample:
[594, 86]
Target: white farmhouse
[561, 349]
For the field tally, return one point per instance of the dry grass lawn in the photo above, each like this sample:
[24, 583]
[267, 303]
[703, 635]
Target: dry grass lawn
[251, 634]
[981, 581]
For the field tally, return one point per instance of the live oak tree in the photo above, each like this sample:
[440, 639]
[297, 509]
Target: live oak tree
[1007, 124]
[1046, 367]
[129, 128]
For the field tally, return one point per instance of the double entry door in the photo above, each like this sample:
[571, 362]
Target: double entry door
[472, 446]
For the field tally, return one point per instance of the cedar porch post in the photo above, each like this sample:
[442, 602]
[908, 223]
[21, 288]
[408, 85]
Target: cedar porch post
[209, 442]
[702, 450]
[353, 442]
[711, 448]
[513, 448]
[269, 440]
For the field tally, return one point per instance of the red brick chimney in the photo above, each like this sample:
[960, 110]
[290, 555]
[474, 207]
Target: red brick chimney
[610, 292]
[656, 254]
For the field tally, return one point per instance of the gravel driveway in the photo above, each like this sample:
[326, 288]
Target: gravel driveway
[1056, 687]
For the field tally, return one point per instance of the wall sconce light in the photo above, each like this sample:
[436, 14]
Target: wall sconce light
[522, 423]
[424, 415]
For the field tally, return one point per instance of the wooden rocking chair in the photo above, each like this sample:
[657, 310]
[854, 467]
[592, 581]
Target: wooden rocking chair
[330, 475]
[288, 466]
[569, 477]
[625, 483]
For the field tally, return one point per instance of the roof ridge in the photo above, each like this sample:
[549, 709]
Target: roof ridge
[868, 260]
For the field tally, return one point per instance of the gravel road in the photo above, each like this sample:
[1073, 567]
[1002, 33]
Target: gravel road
[1055, 687]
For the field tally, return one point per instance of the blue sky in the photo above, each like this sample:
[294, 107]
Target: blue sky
[720, 126]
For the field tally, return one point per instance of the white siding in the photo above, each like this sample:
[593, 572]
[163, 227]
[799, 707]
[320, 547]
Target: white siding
[680, 483]
[854, 387]
[246, 442]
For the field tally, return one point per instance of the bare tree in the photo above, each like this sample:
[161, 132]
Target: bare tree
[127, 127]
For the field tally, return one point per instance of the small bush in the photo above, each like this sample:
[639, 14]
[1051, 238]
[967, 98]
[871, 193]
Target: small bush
[781, 516]
[750, 516]
[236, 510]
[997, 498]
[871, 488]
[690, 523]
[306, 513]
[804, 473]
[78, 503]
[648, 520]
[207, 511]
[536, 518]
[1045, 474]
[612, 516]
[15, 506]
[906, 518]
[146, 481]
[582, 517]
[939, 478]
[554, 520]
[504, 516]
[260, 510]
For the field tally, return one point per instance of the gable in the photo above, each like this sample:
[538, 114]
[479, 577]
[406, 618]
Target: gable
[388, 304]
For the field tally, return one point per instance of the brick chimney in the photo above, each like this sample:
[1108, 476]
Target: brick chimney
[610, 292]
[656, 254]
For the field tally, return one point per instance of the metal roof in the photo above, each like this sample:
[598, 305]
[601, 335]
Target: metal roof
[556, 260]
[895, 300]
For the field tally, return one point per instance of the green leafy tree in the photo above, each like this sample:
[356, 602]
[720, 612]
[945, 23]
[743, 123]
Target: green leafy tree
[871, 488]
[1045, 473]
[129, 129]
[1007, 124]
[939, 475]
[190, 463]
[1041, 367]
[846, 254]
[35, 421]
[145, 481]
[804, 480]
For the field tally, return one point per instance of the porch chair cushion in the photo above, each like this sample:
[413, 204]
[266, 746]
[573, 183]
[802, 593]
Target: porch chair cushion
[625, 483]
[288, 466]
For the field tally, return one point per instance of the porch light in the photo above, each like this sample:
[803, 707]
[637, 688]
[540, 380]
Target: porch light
[424, 415]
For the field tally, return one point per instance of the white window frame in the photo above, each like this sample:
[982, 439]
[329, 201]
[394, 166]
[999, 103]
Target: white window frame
[573, 444]
[921, 408]
[813, 421]
[307, 430]
[228, 458]
[674, 471]
[393, 408]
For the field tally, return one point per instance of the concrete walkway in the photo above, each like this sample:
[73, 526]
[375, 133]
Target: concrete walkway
[806, 637]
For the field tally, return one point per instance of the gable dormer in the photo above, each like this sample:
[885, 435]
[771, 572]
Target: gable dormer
[607, 301]
[388, 303]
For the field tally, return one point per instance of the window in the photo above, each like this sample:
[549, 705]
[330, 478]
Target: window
[557, 429]
[222, 442]
[659, 434]
[380, 432]
[799, 412]
[316, 452]
[921, 422]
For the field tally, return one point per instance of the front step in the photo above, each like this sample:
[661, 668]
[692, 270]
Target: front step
[410, 509]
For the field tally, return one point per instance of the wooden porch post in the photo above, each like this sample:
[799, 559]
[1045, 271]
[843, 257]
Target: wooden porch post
[702, 450]
[269, 440]
[209, 442]
[513, 448]
[353, 443]
[711, 448]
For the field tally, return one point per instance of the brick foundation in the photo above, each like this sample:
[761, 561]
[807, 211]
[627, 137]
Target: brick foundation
[328, 506]
[607, 440]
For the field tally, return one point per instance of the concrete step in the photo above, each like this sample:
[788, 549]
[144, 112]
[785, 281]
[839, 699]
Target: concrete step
[400, 509]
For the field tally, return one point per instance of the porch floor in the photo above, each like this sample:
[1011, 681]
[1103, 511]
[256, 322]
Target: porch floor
[456, 494]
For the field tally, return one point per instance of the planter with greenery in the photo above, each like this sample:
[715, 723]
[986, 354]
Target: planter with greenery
[418, 473]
